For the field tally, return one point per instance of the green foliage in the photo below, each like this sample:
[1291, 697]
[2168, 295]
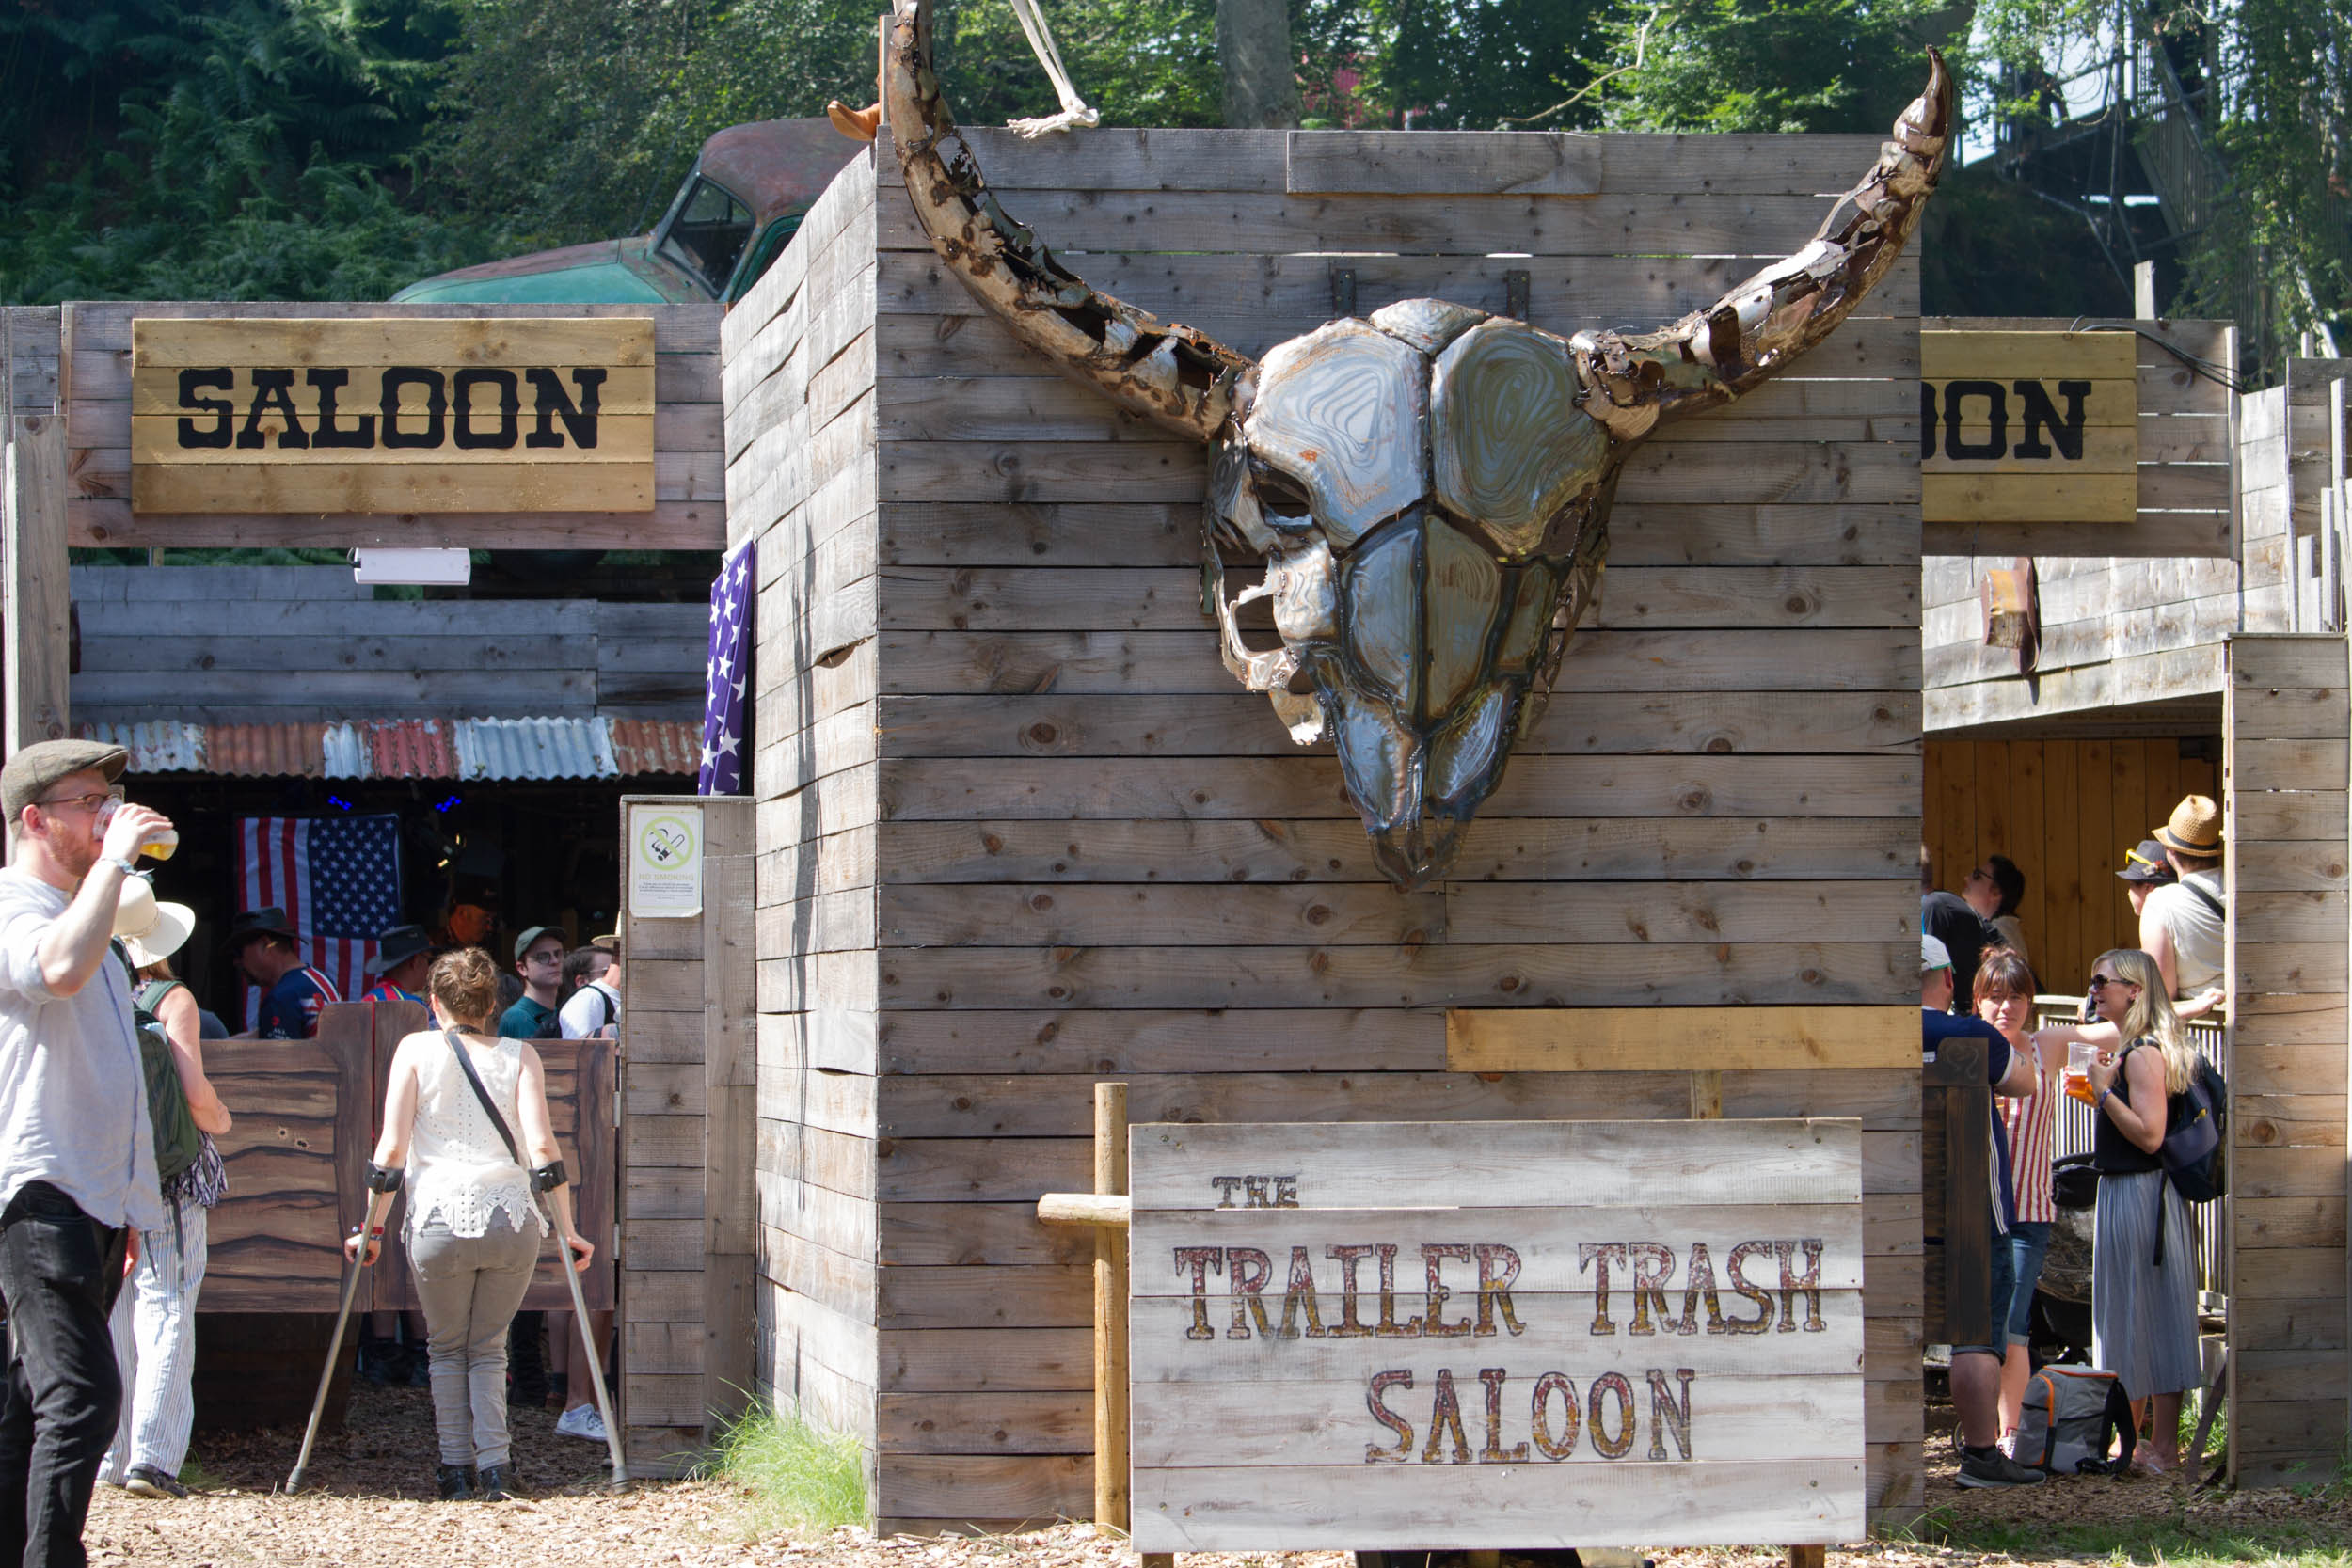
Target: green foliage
[1772, 65]
[1989, 247]
[1487, 65]
[799, 1477]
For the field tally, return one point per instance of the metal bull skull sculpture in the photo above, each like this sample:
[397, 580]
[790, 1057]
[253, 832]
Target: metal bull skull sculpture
[1428, 488]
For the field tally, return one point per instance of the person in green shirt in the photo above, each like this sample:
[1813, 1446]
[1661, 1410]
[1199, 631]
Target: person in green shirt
[539, 959]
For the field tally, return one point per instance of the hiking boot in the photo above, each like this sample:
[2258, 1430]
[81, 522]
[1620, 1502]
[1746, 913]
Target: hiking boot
[497, 1484]
[1992, 1467]
[455, 1483]
[146, 1481]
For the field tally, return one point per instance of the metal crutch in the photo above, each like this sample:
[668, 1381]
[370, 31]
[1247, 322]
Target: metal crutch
[588, 1343]
[379, 1204]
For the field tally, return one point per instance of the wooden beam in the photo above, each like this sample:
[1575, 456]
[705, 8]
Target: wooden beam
[730, 1087]
[1677, 1040]
[1110, 1314]
[37, 601]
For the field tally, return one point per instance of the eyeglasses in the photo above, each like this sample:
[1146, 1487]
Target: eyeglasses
[554, 957]
[95, 801]
[2101, 982]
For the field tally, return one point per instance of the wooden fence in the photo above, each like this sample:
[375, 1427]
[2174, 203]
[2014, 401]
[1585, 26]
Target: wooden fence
[1018, 829]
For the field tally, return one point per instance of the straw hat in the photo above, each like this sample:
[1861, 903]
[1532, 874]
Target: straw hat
[2195, 828]
[152, 930]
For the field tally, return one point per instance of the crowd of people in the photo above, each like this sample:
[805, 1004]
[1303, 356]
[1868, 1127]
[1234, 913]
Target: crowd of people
[108, 1158]
[1977, 982]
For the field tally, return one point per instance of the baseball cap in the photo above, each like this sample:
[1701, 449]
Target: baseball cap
[28, 775]
[532, 934]
[1933, 955]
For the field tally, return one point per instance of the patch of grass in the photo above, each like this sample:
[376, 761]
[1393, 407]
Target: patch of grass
[800, 1477]
[2166, 1538]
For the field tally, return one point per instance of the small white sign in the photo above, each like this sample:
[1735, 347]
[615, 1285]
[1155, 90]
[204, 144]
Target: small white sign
[665, 861]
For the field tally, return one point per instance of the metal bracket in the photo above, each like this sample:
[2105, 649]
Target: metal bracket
[1343, 292]
[1515, 293]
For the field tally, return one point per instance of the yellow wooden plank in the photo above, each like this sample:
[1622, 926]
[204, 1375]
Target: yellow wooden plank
[570, 486]
[622, 438]
[2003, 356]
[2014, 497]
[1677, 1040]
[155, 390]
[2111, 450]
[392, 340]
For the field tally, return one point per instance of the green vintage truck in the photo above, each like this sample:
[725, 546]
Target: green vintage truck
[737, 211]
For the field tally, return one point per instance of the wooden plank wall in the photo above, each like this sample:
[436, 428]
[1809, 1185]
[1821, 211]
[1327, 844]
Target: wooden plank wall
[685, 1243]
[2135, 627]
[2066, 812]
[2286, 874]
[689, 502]
[282, 644]
[801, 478]
[1019, 830]
[33, 592]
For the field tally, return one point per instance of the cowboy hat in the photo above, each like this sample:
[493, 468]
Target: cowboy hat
[396, 946]
[2195, 828]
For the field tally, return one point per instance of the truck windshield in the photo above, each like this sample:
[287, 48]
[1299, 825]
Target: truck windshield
[705, 233]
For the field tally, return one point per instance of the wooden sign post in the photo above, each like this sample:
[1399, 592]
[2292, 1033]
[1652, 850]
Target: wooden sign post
[1496, 1334]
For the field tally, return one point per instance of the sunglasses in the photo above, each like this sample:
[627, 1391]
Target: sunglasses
[2101, 982]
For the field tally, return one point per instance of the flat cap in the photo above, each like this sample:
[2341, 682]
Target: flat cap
[29, 774]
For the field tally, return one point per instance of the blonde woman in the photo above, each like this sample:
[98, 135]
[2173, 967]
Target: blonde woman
[2143, 1289]
[473, 1224]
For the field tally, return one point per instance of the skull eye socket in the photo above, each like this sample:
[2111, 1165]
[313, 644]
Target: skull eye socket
[1280, 495]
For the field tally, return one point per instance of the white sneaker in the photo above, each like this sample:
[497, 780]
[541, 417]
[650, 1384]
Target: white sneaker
[582, 1420]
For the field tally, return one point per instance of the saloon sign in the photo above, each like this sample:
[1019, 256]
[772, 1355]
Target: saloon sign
[1410, 1335]
[2029, 427]
[391, 415]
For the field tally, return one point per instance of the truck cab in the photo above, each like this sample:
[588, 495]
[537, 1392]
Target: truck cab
[732, 218]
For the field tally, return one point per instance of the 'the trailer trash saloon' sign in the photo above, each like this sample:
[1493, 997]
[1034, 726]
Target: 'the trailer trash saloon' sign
[391, 415]
[1410, 1335]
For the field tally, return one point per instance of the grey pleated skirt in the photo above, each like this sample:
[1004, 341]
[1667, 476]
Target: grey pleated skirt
[2144, 1317]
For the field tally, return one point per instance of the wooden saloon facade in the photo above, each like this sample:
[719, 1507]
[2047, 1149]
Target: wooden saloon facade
[1013, 831]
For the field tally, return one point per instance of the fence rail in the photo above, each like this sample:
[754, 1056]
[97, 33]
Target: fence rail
[2072, 1133]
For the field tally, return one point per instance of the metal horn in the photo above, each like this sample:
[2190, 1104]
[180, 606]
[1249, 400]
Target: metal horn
[1171, 375]
[1712, 355]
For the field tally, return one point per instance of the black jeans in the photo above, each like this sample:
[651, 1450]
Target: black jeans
[59, 1271]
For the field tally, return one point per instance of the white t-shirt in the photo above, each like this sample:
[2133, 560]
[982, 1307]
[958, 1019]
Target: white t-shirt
[2196, 928]
[591, 1008]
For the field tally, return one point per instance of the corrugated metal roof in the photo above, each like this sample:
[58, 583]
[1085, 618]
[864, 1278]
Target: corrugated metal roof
[165, 746]
[413, 747]
[656, 745]
[535, 749]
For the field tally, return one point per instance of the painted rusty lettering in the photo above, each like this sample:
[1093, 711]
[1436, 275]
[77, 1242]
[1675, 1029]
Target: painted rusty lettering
[193, 382]
[1389, 1328]
[1494, 1453]
[1597, 1256]
[1247, 1272]
[1445, 1415]
[435, 407]
[1497, 1266]
[1349, 1326]
[1199, 1260]
[358, 435]
[1254, 1187]
[1225, 1185]
[510, 405]
[1603, 1444]
[1381, 1383]
[1665, 1414]
[1756, 1293]
[1286, 1192]
[1548, 1386]
[1653, 1265]
[1300, 1292]
[1433, 1256]
[273, 395]
[1698, 1283]
[1808, 1284]
[550, 403]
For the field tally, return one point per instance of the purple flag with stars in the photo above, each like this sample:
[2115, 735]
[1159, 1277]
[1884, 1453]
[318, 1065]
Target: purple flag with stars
[727, 677]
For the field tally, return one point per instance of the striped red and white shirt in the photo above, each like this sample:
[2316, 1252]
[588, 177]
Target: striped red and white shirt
[2032, 1136]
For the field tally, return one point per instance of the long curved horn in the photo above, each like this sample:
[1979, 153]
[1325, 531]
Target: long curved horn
[1711, 357]
[1173, 375]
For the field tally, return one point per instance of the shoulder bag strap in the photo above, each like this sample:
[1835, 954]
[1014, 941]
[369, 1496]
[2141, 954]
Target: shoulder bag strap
[2205, 896]
[489, 1108]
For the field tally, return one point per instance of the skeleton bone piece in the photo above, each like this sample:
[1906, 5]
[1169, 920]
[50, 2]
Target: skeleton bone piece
[1427, 488]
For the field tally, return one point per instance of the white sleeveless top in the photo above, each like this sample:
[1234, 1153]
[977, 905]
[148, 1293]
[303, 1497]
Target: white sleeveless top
[458, 1168]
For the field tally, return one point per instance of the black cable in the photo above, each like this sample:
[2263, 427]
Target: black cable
[2196, 365]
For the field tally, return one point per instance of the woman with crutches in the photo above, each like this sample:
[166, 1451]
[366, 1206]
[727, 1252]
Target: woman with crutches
[458, 1100]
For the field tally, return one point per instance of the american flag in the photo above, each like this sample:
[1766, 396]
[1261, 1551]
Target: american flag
[726, 716]
[338, 879]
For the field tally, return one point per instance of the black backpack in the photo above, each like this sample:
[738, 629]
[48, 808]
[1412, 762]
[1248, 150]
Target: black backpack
[2196, 1127]
[178, 1140]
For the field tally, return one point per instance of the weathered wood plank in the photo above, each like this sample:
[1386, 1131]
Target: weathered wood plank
[1679, 1038]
